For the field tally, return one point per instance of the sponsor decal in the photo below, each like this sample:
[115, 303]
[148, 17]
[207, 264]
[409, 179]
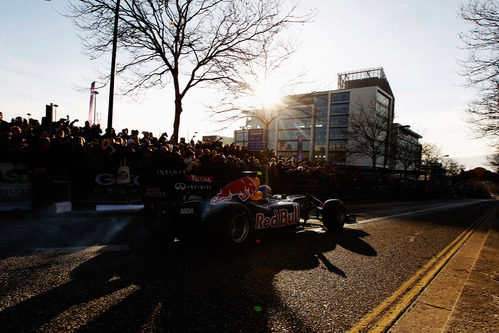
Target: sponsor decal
[15, 187]
[199, 179]
[183, 187]
[281, 218]
[168, 172]
[154, 192]
[180, 186]
[244, 188]
[191, 197]
[186, 211]
[107, 179]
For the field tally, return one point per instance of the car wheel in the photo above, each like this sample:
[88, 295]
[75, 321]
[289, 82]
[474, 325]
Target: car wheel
[333, 215]
[236, 228]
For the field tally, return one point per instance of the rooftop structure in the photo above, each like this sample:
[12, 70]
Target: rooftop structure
[364, 78]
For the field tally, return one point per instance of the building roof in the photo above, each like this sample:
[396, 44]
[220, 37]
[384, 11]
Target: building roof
[364, 78]
[406, 130]
[350, 80]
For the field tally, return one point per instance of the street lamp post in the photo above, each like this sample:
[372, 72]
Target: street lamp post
[55, 111]
[95, 104]
[113, 67]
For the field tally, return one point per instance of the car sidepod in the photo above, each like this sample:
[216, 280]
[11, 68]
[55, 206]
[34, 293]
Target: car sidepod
[190, 219]
[280, 214]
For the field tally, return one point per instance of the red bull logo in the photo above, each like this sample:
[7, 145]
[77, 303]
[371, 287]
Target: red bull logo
[281, 218]
[244, 188]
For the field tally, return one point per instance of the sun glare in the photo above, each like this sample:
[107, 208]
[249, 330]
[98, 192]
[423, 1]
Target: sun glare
[268, 94]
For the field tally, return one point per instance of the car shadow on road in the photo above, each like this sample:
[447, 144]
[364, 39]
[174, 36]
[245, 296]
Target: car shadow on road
[184, 289]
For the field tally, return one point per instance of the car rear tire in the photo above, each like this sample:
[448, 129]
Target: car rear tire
[333, 215]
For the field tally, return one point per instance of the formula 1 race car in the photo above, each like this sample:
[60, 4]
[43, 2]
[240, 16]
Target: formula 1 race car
[181, 205]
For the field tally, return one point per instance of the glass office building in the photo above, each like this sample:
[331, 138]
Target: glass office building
[317, 125]
[319, 120]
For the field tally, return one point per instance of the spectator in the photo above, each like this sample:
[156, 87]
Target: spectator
[4, 126]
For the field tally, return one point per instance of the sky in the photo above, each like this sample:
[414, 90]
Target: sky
[42, 61]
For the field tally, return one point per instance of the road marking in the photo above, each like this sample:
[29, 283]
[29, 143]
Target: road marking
[385, 314]
[420, 211]
[86, 249]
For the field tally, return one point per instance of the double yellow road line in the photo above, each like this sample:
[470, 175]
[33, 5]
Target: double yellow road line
[384, 315]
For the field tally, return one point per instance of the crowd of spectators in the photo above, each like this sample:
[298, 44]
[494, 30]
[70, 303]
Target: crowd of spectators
[63, 144]
[63, 150]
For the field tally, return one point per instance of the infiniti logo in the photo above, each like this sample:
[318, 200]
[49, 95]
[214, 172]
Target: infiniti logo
[180, 186]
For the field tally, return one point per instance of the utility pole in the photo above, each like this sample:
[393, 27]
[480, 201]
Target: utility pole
[113, 67]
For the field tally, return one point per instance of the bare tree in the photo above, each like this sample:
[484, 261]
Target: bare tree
[451, 166]
[409, 155]
[431, 154]
[184, 42]
[481, 68]
[243, 88]
[368, 133]
[433, 161]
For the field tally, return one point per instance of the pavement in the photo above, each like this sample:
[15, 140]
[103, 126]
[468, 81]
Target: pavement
[464, 295]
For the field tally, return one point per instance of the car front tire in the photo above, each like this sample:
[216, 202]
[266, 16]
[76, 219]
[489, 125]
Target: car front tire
[333, 215]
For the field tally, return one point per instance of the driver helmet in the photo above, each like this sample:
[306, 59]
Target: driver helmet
[266, 190]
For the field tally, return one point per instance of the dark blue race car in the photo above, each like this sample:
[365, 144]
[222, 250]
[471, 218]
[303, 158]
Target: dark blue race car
[182, 205]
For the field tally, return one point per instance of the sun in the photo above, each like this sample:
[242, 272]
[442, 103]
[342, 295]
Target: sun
[268, 94]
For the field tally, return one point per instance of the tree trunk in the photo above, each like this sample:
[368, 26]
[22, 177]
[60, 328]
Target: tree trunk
[375, 175]
[176, 122]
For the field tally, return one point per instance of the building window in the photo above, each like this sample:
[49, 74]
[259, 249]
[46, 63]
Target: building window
[298, 112]
[321, 136]
[321, 115]
[339, 121]
[382, 111]
[340, 108]
[289, 145]
[295, 123]
[338, 133]
[382, 99]
[241, 137]
[382, 105]
[293, 134]
[340, 97]
[321, 103]
[337, 145]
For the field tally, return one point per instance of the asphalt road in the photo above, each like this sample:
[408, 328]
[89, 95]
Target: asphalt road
[54, 278]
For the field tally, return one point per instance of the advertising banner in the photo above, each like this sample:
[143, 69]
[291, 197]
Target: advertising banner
[300, 148]
[15, 187]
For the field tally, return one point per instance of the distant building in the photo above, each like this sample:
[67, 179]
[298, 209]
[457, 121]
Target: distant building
[405, 148]
[316, 125]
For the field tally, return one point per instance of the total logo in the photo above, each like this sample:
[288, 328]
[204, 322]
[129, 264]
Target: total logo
[281, 218]
[199, 179]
